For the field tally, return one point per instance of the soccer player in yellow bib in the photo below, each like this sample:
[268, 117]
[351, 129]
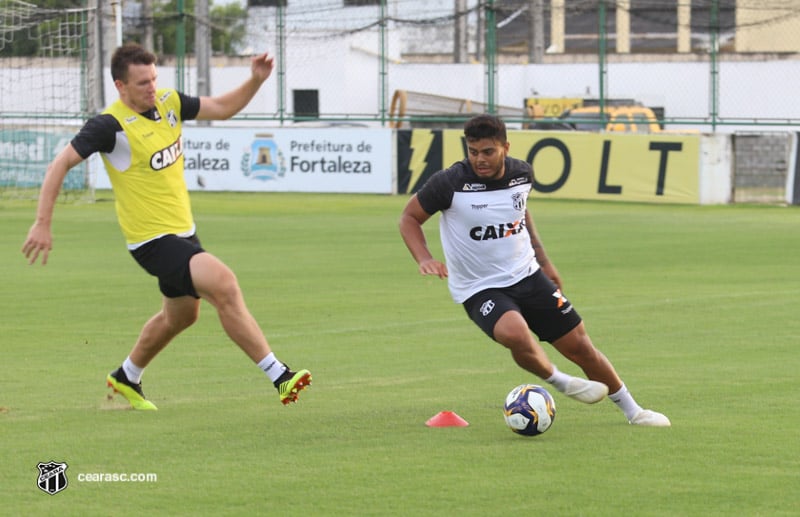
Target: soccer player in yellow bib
[139, 139]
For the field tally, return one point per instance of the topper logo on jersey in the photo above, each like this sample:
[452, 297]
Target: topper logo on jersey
[473, 187]
[167, 156]
[496, 231]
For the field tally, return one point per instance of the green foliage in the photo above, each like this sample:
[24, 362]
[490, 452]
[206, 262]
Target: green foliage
[227, 26]
[20, 45]
[696, 307]
[40, 31]
[227, 23]
[59, 4]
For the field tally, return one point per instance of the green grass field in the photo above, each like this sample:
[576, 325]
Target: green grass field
[696, 306]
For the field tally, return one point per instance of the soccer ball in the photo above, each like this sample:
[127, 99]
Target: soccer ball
[529, 410]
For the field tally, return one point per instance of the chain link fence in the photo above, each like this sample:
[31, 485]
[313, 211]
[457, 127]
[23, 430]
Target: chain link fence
[704, 65]
[707, 65]
[632, 65]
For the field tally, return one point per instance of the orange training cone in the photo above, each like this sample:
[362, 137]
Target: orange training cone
[446, 419]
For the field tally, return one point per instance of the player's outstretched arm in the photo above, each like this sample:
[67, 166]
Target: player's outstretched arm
[40, 238]
[222, 107]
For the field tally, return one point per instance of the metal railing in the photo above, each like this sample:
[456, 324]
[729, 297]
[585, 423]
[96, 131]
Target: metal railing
[381, 48]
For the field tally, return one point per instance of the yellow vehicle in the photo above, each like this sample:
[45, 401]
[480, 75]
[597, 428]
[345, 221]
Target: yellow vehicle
[619, 118]
[628, 119]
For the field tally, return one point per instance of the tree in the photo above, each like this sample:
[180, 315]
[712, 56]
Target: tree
[227, 26]
[232, 22]
[27, 40]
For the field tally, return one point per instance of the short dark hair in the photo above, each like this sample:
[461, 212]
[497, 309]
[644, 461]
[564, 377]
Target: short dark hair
[126, 55]
[485, 126]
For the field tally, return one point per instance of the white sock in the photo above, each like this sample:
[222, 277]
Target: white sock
[624, 400]
[272, 367]
[559, 380]
[132, 372]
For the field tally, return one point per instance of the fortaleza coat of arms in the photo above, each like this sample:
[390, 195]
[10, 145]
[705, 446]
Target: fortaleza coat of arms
[52, 477]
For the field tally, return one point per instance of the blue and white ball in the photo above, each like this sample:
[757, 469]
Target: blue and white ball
[529, 410]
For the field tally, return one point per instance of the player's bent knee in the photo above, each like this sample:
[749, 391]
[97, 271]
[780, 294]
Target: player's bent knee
[513, 339]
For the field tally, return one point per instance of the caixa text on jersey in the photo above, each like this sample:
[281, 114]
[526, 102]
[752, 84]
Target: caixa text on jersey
[496, 231]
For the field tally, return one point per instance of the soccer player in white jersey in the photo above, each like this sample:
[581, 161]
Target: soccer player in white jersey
[139, 139]
[497, 268]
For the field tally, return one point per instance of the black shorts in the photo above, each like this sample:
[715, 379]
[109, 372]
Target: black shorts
[167, 258]
[548, 313]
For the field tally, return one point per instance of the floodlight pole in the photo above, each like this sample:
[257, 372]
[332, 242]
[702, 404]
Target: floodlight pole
[601, 60]
[281, 21]
[180, 47]
[714, 35]
[382, 86]
[491, 57]
[202, 51]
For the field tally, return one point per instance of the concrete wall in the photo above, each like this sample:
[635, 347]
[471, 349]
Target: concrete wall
[761, 165]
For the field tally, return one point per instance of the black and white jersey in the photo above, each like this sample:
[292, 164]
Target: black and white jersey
[484, 236]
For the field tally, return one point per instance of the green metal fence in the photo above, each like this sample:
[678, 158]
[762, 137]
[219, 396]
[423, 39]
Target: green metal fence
[715, 64]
